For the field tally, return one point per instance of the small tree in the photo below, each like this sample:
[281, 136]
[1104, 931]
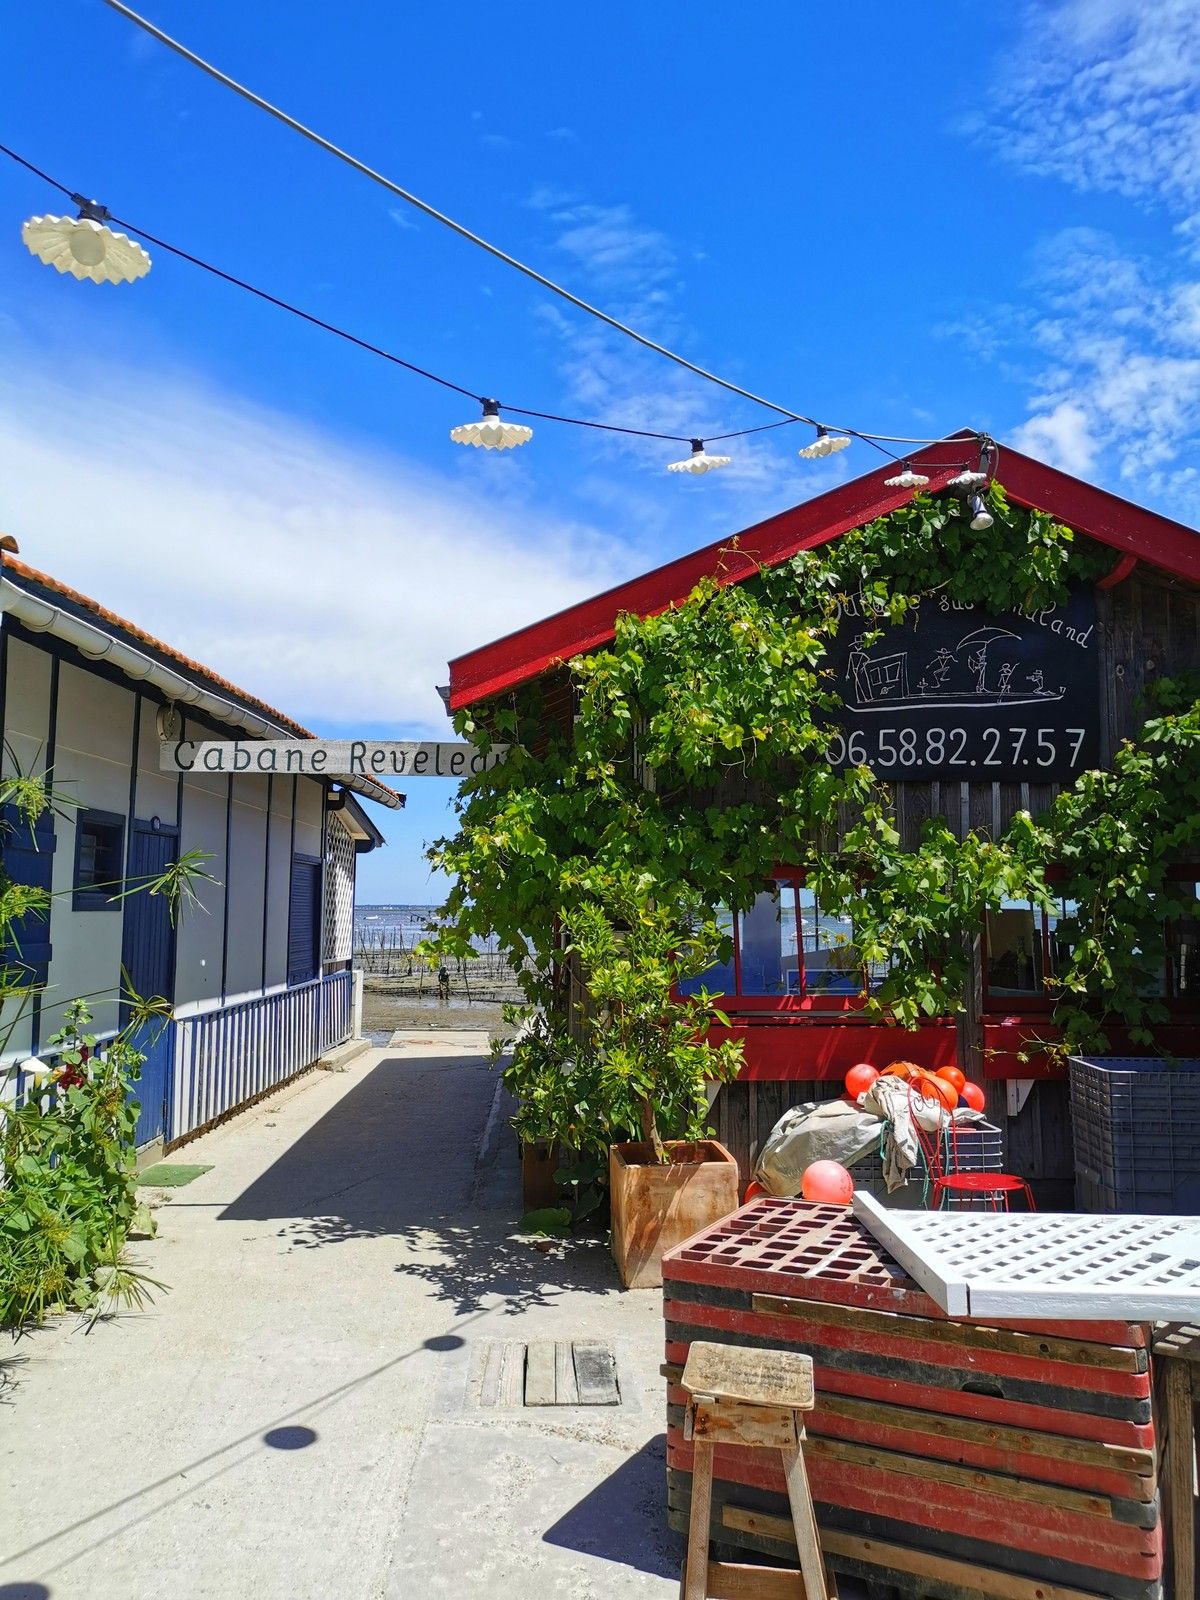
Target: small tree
[633, 1058]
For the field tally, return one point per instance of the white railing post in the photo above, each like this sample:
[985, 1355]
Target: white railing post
[356, 1004]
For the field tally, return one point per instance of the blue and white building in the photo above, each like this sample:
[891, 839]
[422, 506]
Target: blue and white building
[260, 979]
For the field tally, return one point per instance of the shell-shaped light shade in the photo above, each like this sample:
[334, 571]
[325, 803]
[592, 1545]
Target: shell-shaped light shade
[825, 444]
[490, 433]
[908, 479]
[967, 480]
[698, 461]
[85, 249]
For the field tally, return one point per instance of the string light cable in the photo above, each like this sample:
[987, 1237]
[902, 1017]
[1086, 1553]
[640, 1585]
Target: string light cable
[489, 432]
[827, 433]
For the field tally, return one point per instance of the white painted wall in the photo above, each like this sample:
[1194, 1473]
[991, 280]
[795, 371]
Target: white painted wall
[244, 882]
[200, 932]
[26, 709]
[92, 762]
[308, 817]
[156, 791]
[26, 731]
[280, 885]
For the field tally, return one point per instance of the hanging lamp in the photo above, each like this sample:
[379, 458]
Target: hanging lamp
[85, 246]
[906, 478]
[491, 433]
[699, 460]
[825, 444]
[966, 479]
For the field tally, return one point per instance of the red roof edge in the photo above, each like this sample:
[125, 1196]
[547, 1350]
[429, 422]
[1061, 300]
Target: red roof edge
[505, 663]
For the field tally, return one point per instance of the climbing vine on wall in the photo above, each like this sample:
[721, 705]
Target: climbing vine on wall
[696, 763]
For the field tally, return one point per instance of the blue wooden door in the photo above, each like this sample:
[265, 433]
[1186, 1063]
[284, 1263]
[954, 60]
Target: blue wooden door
[27, 851]
[304, 920]
[148, 957]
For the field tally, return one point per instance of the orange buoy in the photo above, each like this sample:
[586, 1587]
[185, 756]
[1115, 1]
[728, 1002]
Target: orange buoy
[954, 1075]
[860, 1078]
[930, 1086]
[827, 1181]
[902, 1069]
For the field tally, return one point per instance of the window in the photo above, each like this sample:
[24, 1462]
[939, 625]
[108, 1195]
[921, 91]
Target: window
[99, 861]
[1024, 946]
[787, 953]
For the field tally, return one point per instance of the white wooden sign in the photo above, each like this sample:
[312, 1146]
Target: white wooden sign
[383, 759]
[1040, 1264]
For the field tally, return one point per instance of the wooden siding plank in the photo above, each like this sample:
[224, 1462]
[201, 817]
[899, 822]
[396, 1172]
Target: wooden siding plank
[540, 1388]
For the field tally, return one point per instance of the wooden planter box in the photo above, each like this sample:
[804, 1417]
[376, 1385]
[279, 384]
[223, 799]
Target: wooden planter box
[655, 1208]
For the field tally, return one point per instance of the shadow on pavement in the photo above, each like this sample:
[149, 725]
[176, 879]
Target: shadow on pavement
[405, 1154]
[624, 1518]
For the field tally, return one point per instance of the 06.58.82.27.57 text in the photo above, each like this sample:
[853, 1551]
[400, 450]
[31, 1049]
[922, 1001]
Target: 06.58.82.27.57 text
[887, 749]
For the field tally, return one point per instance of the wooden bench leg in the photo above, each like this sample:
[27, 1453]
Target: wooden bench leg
[1180, 1466]
[695, 1572]
[812, 1562]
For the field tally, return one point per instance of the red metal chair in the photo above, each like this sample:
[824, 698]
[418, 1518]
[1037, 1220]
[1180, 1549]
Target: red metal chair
[942, 1164]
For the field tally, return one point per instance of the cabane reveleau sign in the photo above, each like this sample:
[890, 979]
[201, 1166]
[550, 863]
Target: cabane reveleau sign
[361, 758]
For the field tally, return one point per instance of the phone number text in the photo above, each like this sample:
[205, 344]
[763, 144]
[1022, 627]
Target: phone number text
[889, 749]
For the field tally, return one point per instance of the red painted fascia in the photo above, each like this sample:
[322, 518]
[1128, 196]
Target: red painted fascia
[780, 1052]
[1160, 542]
[530, 651]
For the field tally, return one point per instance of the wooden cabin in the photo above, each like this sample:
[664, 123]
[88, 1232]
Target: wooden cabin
[259, 976]
[970, 717]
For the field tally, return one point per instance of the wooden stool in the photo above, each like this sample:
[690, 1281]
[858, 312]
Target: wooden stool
[750, 1397]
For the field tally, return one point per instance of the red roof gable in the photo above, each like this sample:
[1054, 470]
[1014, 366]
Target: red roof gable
[1170, 546]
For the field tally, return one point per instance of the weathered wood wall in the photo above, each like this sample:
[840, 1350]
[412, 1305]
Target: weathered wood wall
[1148, 627]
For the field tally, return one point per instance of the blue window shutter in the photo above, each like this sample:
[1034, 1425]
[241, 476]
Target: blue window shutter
[304, 920]
[28, 856]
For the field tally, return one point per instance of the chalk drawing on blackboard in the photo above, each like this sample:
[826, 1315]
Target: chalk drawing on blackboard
[983, 669]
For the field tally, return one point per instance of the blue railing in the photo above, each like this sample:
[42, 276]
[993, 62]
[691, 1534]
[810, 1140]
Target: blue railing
[226, 1057]
[201, 1067]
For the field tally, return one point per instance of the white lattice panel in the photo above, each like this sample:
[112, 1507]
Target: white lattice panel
[339, 891]
[1046, 1264]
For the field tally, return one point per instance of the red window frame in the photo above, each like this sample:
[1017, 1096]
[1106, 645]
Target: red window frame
[1034, 1005]
[739, 1003]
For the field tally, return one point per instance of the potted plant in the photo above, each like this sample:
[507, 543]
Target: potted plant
[649, 1061]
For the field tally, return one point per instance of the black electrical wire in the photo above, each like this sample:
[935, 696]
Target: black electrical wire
[411, 199]
[387, 355]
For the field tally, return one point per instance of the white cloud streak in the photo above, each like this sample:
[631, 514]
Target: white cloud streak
[329, 580]
[1102, 93]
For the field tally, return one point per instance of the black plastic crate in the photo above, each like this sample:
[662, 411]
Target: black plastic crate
[1136, 1129]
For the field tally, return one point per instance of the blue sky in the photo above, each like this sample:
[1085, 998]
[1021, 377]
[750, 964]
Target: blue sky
[904, 218]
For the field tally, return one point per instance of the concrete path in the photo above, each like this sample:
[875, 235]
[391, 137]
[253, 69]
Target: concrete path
[296, 1419]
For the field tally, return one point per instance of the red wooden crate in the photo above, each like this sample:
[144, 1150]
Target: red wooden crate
[1022, 1447]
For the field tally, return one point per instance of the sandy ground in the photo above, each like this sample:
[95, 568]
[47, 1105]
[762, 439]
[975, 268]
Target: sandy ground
[385, 1014]
[299, 1418]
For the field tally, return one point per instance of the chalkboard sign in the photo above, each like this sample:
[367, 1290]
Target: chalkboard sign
[958, 694]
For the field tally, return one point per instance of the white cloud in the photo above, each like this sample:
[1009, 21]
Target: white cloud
[331, 581]
[1062, 436]
[1117, 338]
[631, 270]
[1102, 94]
